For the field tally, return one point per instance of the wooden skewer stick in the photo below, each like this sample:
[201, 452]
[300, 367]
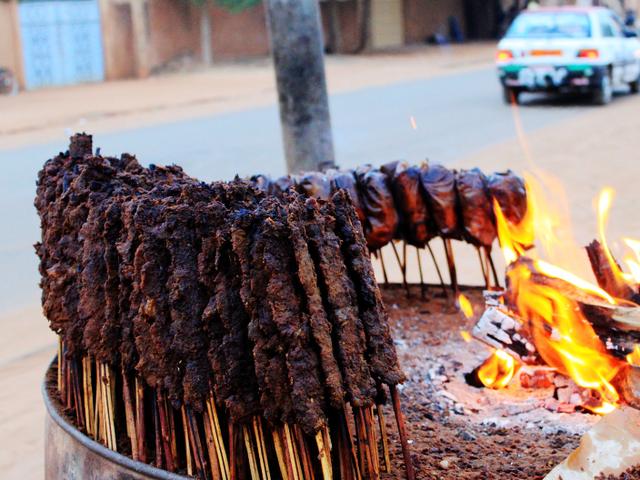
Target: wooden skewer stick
[262, 448]
[325, 456]
[187, 443]
[496, 280]
[165, 434]
[406, 453]
[129, 415]
[285, 467]
[350, 435]
[373, 442]
[60, 384]
[253, 466]
[98, 417]
[196, 445]
[451, 263]
[140, 423]
[485, 274]
[87, 390]
[107, 395]
[217, 435]
[402, 266]
[364, 443]
[216, 471]
[422, 289]
[384, 269]
[435, 263]
[77, 394]
[303, 453]
[157, 431]
[292, 455]
[385, 440]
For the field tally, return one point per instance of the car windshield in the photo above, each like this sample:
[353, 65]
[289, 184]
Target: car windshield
[555, 25]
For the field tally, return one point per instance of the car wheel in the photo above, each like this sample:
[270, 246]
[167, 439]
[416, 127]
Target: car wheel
[510, 95]
[604, 92]
[635, 86]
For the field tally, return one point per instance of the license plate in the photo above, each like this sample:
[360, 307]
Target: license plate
[542, 76]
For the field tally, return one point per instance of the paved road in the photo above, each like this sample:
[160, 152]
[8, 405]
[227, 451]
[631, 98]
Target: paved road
[455, 116]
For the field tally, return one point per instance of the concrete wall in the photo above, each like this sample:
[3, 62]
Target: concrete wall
[10, 49]
[347, 19]
[174, 31]
[423, 18]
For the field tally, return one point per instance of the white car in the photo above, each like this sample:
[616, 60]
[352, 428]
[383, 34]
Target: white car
[585, 49]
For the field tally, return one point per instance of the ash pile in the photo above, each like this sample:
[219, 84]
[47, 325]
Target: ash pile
[211, 329]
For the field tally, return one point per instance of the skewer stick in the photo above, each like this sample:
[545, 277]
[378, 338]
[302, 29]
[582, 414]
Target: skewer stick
[253, 466]
[325, 457]
[196, 445]
[262, 448]
[402, 266]
[496, 280]
[140, 423]
[285, 467]
[165, 435]
[107, 395]
[373, 442]
[384, 269]
[216, 471]
[485, 274]
[292, 454]
[157, 431]
[435, 263]
[303, 453]
[187, 443]
[98, 418]
[451, 263]
[233, 467]
[129, 415]
[422, 289]
[60, 384]
[221, 453]
[406, 453]
[87, 388]
[385, 440]
[350, 435]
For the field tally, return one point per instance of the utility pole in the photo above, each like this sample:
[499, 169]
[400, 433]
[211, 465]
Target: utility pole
[298, 57]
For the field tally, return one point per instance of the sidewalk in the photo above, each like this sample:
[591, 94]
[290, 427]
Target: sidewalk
[46, 114]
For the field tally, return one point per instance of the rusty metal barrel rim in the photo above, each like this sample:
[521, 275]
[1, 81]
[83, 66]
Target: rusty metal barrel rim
[91, 459]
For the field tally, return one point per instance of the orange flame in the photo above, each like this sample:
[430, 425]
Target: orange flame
[634, 357]
[465, 306]
[562, 336]
[466, 336]
[497, 371]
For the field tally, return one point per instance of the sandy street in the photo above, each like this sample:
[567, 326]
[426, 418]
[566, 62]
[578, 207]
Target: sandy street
[452, 94]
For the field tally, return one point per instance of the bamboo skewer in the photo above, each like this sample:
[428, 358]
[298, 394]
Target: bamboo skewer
[303, 453]
[291, 453]
[496, 280]
[435, 263]
[156, 424]
[196, 445]
[402, 266]
[140, 423]
[384, 269]
[165, 433]
[385, 440]
[325, 456]
[216, 470]
[485, 273]
[285, 470]
[451, 263]
[187, 444]
[262, 449]
[406, 453]
[422, 289]
[129, 416]
[87, 389]
[98, 418]
[373, 442]
[60, 361]
[253, 466]
[108, 408]
[217, 437]
[350, 435]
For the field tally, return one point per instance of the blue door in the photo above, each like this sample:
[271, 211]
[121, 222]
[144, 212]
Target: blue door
[61, 42]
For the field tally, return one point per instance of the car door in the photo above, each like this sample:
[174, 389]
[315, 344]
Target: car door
[611, 38]
[631, 50]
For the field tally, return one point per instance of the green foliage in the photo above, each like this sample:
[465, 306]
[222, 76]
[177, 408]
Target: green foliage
[233, 6]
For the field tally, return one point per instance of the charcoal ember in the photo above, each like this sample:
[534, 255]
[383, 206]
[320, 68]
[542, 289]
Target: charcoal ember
[475, 205]
[341, 300]
[283, 304]
[80, 145]
[509, 191]
[439, 183]
[152, 324]
[346, 180]
[321, 328]
[381, 352]
[314, 184]
[382, 218]
[415, 221]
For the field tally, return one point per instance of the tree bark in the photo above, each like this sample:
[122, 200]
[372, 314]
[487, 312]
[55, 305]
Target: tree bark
[297, 50]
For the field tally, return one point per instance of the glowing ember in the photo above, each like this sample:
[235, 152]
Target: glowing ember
[497, 371]
[562, 336]
[465, 306]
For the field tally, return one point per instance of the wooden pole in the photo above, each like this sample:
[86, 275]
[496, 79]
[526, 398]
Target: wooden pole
[297, 49]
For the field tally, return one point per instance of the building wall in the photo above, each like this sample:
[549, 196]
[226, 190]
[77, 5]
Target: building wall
[10, 50]
[237, 35]
[174, 31]
[423, 18]
[347, 20]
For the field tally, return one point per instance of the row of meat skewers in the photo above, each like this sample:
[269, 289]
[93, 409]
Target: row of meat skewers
[211, 329]
[416, 204]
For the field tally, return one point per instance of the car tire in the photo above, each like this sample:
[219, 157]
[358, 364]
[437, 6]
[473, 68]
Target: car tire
[510, 95]
[635, 86]
[604, 93]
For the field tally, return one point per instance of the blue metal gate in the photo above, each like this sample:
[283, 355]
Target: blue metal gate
[61, 42]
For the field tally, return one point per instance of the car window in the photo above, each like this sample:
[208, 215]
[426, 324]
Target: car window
[550, 24]
[609, 26]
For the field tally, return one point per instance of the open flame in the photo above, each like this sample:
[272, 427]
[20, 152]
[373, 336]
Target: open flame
[561, 334]
[497, 370]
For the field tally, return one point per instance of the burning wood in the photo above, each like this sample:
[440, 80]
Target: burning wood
[232, 326]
